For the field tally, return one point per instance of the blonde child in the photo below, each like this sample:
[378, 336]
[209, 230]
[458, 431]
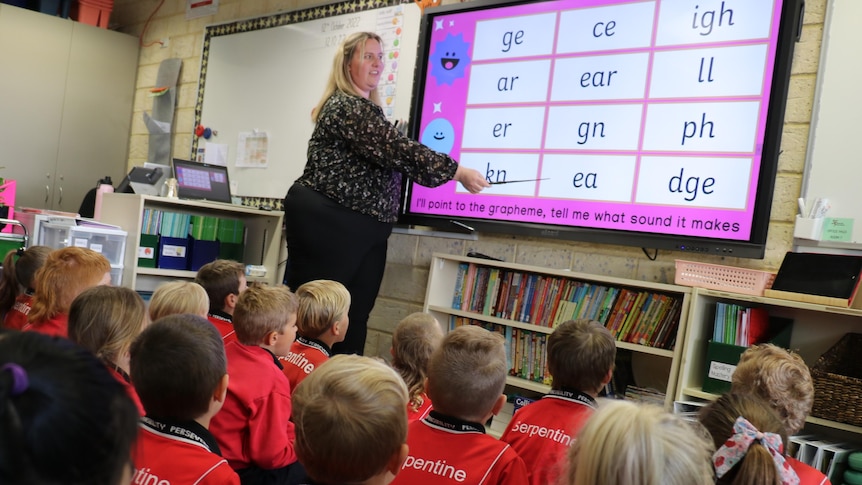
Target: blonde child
[749, 440]
[176, 297]
[105, 320]
[639, 444]
[351, 426]
[321, 321]
[253, 428]
[66, 273]
[466, 377]
[782, 379]
[224, 280]
[581, 357]
[17, 284]
[180, 369]
[416, 337]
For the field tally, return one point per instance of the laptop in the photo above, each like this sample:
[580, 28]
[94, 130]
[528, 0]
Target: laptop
[201, 181]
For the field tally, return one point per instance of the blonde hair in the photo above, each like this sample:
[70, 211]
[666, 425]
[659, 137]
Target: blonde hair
[467, 373]
[779, 377]
[321, 304]
[757, 467]
[105, 320]
[580, 355]
[66, 273]
[639, 444]
[339, 77]
[177, 297]
[262, 310]
[416, 337]
[351, 418]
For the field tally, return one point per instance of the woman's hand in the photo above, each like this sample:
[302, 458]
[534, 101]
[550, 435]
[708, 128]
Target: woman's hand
[470, 179]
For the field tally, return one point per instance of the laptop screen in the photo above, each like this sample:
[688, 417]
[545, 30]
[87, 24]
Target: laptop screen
[201, 181]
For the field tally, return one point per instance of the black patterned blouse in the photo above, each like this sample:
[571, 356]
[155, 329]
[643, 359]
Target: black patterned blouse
[356, 157]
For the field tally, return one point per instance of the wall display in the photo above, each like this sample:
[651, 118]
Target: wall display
[646, 123]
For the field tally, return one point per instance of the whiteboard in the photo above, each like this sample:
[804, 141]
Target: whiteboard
[264, 76]
[833, 168]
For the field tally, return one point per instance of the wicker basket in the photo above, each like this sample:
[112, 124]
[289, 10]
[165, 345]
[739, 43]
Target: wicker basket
[724, 278]
[838, 382]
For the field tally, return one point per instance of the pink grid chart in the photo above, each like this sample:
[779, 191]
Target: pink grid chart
[637, 115]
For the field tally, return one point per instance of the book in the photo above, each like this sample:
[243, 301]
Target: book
[758, 325]
[491, 293]
[459, 285]
[631, 314]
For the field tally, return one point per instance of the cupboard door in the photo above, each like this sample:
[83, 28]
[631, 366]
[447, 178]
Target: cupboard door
[33, 64]
[97, 112]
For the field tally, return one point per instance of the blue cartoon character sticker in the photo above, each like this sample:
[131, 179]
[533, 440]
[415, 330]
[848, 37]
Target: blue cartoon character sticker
[439, 135]
[449, 59]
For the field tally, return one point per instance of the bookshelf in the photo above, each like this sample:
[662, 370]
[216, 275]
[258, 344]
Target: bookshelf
[490, 301]
[262, 238]
[816, 328]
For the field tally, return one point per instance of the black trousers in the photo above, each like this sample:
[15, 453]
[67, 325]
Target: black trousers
[326, 240]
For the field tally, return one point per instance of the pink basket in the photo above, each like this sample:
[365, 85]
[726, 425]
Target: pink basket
[724, 278]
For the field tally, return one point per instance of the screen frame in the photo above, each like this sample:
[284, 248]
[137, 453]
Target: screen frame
[194, 194]
[789, 33]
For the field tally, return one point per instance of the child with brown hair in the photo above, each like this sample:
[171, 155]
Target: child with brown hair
[321, 321]
[253, 428]
[581, 357]
[224, 280]
[782, 379]
[749, 439]
[177, 297]
[416, 337]
[351, 426]
[106, 320]
[17, 285]
[66, 273]
[180, 368]
[466, 377]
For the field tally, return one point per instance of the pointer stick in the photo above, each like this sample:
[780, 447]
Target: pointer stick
[516, 181]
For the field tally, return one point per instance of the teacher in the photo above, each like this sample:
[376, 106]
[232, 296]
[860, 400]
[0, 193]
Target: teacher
[340, 212]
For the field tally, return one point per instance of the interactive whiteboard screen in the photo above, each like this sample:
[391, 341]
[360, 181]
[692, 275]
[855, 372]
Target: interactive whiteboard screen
[648, 123]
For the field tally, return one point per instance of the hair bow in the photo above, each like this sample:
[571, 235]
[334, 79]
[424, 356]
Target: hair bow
[735, 448]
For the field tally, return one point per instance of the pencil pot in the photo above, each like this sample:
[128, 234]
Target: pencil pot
[837, 379]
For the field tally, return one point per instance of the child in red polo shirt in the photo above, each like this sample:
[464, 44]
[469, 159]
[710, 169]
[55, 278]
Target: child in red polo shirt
[106, 320]
[66, 273]
[321, 321]
[253, 429]
[178, 297]
[581, 357]
[416, 337]
[782, 379]
[179, 367]
[17, 285]
[361, 440]
[224, 280]
[466, 377]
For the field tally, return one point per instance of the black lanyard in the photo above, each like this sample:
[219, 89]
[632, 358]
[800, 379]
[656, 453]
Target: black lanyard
[574, 395]
[454, 424]
[316, 344]
[192, 431]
